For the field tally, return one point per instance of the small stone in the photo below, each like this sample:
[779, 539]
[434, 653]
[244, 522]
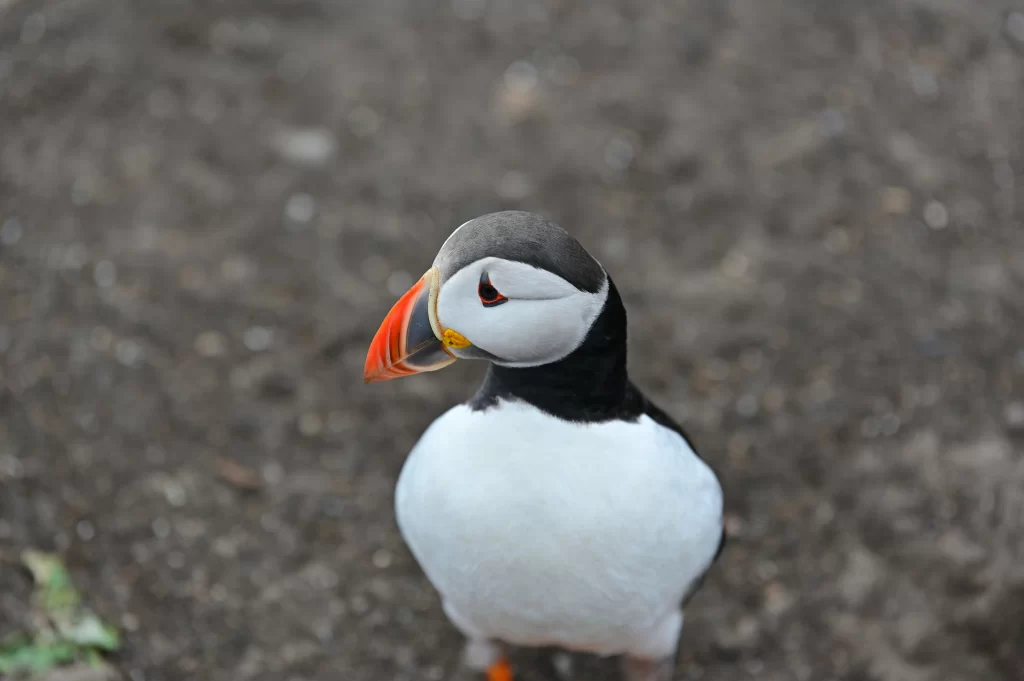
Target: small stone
[237, 268]
[33, 28]
[518, 94]
[218, 593]
[104, 274]
[161, 528]
[562, 662]
[305, 146]
[273, 473]
[960, 549]
[777, 599]
[837, 241]
[364, 121]
[935, 215]
[310, 424]
[382, 559]
[924, 82]
[735, 264]
[895, 201]
[859, 578]
[300, 208]
[128, 352]
[85, 530]
[258, 338]
[10, 231]
[521, 75]
[130, 622]
[747, 406]
[619, 153]
[176, 560]
[1014, 415]
[1015, 27]
[237, 475]
[211, 344]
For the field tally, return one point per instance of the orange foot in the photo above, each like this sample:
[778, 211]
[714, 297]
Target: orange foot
[500, 670]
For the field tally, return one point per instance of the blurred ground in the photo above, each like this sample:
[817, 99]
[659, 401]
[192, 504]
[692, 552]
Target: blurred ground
[813, 210]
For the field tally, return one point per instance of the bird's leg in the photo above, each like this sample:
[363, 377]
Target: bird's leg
[482, 655]
[501, 670]
[636, 669]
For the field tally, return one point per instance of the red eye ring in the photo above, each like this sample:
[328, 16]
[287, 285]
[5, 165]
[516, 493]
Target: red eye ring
[489, 296]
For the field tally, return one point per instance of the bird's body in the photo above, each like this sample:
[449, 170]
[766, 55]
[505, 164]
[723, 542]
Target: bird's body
[539, 531]
[559, 506]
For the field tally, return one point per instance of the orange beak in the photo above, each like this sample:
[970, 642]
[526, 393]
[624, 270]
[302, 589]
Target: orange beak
[409, 340]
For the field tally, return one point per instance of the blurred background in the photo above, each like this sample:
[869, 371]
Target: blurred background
[813, 211]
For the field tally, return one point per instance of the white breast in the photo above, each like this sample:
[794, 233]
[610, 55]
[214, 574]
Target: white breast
[538, 531]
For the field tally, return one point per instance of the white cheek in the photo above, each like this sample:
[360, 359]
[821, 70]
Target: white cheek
[521, 332]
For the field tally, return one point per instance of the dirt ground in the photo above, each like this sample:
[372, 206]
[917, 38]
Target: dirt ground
[813, 211]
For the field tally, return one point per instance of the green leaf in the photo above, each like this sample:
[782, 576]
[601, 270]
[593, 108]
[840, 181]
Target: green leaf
[74, 628]
[35, 657]
[90, 632]
[54, 589]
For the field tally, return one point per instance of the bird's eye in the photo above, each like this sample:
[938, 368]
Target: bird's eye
[489, 295]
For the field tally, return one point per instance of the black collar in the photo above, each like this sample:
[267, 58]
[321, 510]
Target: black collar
[590, 385]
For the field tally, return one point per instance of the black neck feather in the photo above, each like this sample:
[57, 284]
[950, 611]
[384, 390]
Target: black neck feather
[590, 385]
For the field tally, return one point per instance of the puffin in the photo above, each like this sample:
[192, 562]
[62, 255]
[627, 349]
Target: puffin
[558, 507]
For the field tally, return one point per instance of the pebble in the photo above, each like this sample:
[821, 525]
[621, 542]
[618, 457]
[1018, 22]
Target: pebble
[518, 93]
[562, 662]
[935, 215]
[273, 473]
[10, 231]
[300, 208]
[619, 153]
[777, 599]
[104, 274]
[305, 146]
[735, 264]
[128, 352]
[33, 28]
[161, 528]
[1015, 26]
[924, 82]
[382, 559]
[1014, 415]
[747, 406]
[364, 121]
[310, 424]
[895, 201]
[258, 338]
[176, 560]
[85, 530]
[859, 578]
[211, 344]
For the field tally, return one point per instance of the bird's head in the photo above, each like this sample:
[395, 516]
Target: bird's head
[509, 287]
